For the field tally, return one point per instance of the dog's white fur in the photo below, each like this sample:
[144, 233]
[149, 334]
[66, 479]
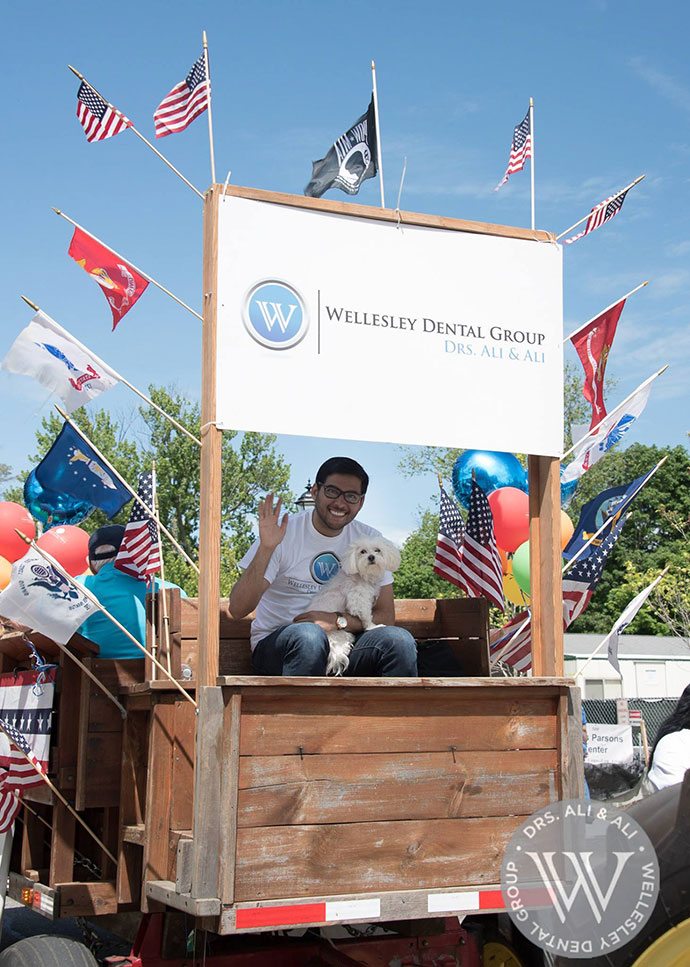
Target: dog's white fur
[354, 589]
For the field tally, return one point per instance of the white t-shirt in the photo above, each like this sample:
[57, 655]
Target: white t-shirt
[302, 562]
[671, 759]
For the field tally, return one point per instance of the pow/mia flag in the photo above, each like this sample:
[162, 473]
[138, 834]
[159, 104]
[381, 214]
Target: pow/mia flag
[350, 160]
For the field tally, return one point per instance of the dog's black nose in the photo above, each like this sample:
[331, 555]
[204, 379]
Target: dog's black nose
[371, 558]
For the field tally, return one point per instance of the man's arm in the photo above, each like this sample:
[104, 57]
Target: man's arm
[383, 613]
[252, 583]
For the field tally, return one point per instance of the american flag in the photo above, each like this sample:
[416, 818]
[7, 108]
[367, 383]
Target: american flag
[513, 646]
[514, 642]
[139, 554]
[481, 574]
[99, 119]
[184, 103]
[449, 541]
[26, 720]
[603, 212]
[520, 150]
[582, 578]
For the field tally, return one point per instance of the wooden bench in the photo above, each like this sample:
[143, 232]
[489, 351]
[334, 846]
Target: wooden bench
[461, 623]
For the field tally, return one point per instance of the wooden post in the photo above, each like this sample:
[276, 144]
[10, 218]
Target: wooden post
[211, 440]
[545, 565]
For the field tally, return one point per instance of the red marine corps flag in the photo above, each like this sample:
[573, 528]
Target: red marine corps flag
[593, 344]
[121, 283]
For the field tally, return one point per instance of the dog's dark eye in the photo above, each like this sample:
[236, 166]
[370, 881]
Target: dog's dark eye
[377, 550]
[363, 551]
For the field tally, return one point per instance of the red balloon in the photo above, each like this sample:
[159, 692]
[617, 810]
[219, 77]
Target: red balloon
[12, 515]
[510, 508]
[69, 545]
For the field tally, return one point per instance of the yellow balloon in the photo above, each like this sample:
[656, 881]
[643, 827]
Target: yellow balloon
[512, 591]
[5, 572]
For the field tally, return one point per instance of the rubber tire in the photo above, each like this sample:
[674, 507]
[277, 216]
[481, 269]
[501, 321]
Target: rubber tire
[665, 817]
[47, 951]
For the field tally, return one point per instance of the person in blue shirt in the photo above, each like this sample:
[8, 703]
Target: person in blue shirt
[119, 593]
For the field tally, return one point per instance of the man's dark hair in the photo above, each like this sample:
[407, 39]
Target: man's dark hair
[345, 465]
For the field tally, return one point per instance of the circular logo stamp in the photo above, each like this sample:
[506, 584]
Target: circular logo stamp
[274, 314]
[324, 567]
[580, 878]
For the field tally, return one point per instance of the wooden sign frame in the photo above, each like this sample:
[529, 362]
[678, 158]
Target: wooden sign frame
[543, 472]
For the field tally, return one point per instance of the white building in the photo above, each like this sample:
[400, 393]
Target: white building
[651, 666]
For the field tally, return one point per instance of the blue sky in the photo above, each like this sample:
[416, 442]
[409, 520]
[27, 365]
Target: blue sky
[611, 85]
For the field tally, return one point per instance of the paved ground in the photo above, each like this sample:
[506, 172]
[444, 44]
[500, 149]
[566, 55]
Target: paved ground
[19, 921]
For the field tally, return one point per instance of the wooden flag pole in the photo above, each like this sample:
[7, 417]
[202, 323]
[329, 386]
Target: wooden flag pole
[118, 376]
[56, 792]
[531, 167]
[378, 132]
[604, 311]
[94, 600]
[210, 119]
[124, 483]
[591, 433]
[606, 201]
[90, 674]
[136, 268]
[139, 135]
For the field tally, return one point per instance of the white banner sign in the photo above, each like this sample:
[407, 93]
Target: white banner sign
[609, 743]
[342, 326]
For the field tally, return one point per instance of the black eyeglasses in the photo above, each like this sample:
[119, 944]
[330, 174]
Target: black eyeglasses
[351, 496]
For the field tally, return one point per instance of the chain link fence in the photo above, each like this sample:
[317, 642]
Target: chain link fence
[654, 711]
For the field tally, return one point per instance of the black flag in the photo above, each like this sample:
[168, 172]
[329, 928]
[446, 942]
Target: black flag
[350, 160]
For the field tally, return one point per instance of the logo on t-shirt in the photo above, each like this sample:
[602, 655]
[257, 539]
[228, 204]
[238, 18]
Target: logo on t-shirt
[324, 567]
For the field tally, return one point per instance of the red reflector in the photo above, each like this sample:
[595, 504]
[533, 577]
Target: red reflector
[491, 900]
[280, 916]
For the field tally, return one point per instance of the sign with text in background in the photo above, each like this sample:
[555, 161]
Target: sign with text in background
[609, 743]
[341, 326]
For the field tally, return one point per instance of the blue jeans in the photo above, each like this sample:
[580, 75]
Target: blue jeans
[302, 649]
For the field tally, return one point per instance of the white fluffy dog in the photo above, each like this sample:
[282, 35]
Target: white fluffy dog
[354, 589]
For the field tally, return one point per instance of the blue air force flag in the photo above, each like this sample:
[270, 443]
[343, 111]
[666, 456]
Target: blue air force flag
[40, 597]
[609, 503]
[72, 466]
[50, 354]
[350, 161]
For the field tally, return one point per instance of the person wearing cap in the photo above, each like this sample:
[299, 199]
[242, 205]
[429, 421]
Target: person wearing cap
[119, 593]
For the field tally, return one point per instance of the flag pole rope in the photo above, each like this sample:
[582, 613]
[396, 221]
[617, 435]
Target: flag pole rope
[124, 483]
[94, 600]
[119, 376]
[139, 135]
[606, 201]
[604, 311]
[59, 795]
[136, 268]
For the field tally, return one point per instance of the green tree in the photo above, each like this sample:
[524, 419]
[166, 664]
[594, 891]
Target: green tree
[650, 539]
[415, 578]
[131, 442]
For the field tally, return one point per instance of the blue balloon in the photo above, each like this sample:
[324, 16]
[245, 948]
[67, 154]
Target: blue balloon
[52, 508]
[492, 471]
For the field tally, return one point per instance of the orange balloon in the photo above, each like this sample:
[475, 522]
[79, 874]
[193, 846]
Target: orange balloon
[12, 515]
[5, 572]
[567, 529]
[505, 563]
[69, 545]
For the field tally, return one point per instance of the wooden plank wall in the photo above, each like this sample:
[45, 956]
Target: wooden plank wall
[462, 622]
[355, 790]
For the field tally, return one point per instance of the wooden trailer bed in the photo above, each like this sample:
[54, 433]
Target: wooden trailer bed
[315, 799]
